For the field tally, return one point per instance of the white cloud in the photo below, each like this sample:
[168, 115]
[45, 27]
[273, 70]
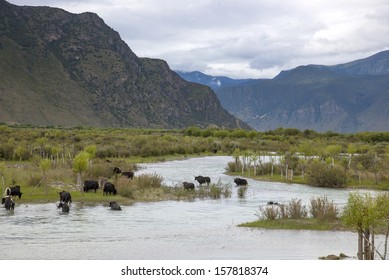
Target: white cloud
[246, 38]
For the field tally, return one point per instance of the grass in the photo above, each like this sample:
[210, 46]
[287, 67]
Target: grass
[350, 183]
[37, 188]
[298, 224]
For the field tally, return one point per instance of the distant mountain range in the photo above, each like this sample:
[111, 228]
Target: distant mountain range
[348, 97]
[59, 68]
[214, 82]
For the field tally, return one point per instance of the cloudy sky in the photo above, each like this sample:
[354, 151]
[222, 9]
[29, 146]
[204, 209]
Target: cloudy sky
[244, 38]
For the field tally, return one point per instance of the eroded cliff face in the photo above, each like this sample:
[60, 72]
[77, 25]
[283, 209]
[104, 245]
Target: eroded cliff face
[76, 70]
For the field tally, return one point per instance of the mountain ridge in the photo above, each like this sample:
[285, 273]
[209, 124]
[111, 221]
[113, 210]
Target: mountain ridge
[59, 68]
[348, 97]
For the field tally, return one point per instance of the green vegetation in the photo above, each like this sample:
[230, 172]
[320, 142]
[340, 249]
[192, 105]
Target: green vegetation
[324, 160]
[296, 224]
[365, 214]
[44, 160]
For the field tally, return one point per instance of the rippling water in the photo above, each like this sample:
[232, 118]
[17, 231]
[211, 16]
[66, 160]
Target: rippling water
[201, 229]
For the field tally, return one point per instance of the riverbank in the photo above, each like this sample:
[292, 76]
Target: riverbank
[352, 184]
[42, 185]
[298, 224]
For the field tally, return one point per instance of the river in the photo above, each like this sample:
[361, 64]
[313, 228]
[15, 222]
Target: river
[201, 229]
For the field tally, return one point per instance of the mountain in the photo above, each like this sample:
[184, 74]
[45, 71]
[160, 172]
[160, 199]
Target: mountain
[59, 68]
[214, 82]
[348, 97]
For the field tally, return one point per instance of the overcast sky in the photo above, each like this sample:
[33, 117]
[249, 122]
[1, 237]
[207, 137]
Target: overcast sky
[244, 38]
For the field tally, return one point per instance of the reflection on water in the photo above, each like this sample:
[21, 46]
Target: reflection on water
[201, 229]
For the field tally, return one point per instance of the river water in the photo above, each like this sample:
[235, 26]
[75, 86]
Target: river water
[200, 229]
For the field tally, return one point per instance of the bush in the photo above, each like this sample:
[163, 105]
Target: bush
[270, 213]
[242, 191]
[138, 186]
[323, 209]
[234, 166]
[322, 175]
[215, 191]
[296, 210]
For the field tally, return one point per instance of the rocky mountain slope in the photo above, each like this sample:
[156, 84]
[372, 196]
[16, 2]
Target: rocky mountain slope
[348, 97]
[59, 68]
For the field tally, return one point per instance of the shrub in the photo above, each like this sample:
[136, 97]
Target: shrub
[234, 167]
[99, 169]
[323, 209]
[242, 191]
[215, 190]
[322, 175]
[296, 210]
[139, 186]
[270, 212]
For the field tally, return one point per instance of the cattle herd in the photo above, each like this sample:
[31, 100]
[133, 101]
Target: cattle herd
[65, 198]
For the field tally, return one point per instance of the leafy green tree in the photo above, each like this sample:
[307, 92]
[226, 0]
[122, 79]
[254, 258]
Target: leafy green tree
[22, 153]
[80, 165]
[352, 149]
[365, 213]
[41, 142]
[91, 150]
[55, 150]
[333, 151]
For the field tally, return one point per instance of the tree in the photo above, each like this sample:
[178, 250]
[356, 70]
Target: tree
[351, 150]
[365, 213]
[333, 151]
[91, 150]
[45, 165]
[80, 165]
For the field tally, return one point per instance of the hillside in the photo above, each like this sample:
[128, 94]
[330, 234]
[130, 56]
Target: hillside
[348, 97]
[59, 68]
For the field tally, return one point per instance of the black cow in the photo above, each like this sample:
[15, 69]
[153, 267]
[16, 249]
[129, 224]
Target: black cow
[15, 191]
[64, 206]
[202, 180]
[65, 197]
[9, 203]
[188, 186]
[272, 203]
[240, 182]
[117, 170]
[109, 188]
[114, 206]
[90, 185]
[128, 174]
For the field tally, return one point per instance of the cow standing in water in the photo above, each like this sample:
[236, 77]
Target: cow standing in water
[240, 182]
[202, 180]
[8, 203]
[65, 207]
[114, 206]
[7, 200]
